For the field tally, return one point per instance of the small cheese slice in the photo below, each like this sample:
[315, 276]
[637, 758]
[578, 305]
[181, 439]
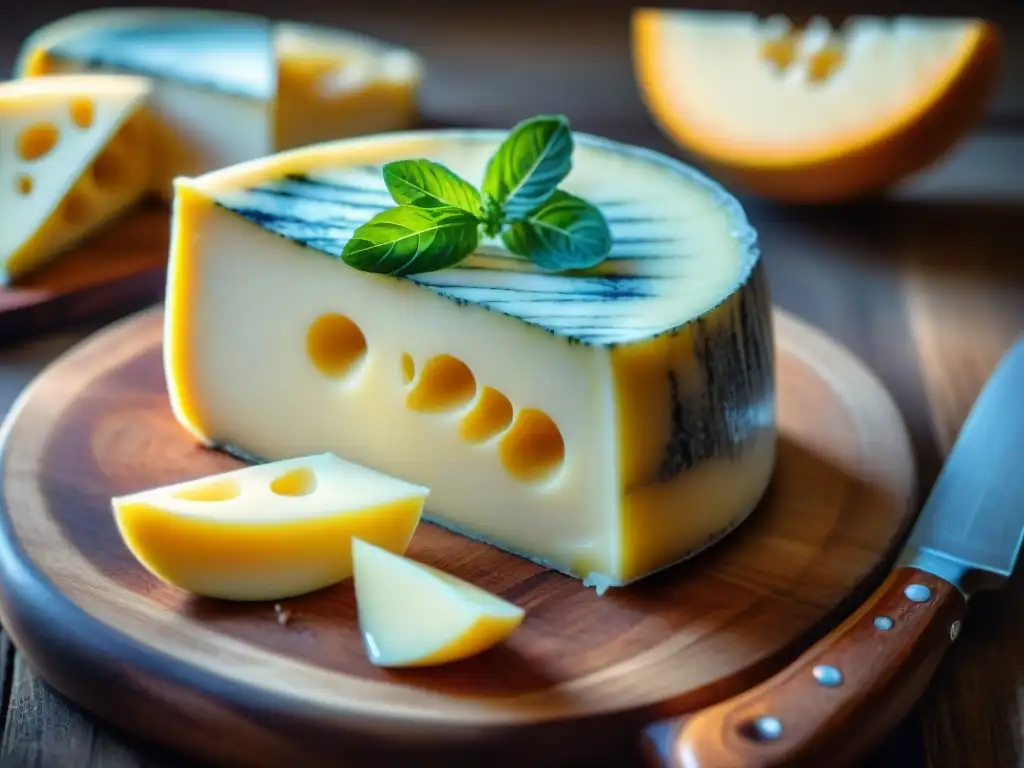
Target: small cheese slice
[413, 615]
[74, 154]
[268, 531]
[606, 423]
[229, 87]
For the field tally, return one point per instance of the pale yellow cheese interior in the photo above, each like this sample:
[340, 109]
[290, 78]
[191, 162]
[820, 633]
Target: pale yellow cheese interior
[413, 615]
[270, 531]
[759, 86]
[74, 154]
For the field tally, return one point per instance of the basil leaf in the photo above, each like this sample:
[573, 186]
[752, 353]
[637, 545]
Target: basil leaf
[406, 240]
[530, 163]
[566, 232]
[426, 184]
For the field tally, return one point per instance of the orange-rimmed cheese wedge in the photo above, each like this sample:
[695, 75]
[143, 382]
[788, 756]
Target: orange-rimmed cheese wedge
[267, 531]
[413, 615]
[815, 113]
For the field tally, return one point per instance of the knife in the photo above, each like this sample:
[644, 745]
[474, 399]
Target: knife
[839, 698]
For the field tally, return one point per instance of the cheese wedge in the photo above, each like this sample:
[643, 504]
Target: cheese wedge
[813, 113]
[413, 615]
[74, 154]
[267, 532]
[606, 423]
[229, 87]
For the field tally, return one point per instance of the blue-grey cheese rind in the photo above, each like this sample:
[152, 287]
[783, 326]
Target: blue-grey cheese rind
[232, 56]
[322, 211]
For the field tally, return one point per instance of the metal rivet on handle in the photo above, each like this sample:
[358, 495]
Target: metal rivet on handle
[954, 630]
[919, 593]
[827, 675]
[764, 728]
[883, 623]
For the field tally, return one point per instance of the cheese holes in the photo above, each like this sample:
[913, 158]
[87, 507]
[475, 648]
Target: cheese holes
[408, 368]
[75, 208]
[216, 490]
[83, 112]
[109, 171]
[489, 416]
[445, 383]
[23, 184]
[335, 345]
[532, 449]
[37, 141]
[297, 482]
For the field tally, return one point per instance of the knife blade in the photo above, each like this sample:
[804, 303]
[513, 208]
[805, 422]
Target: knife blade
[842, 695]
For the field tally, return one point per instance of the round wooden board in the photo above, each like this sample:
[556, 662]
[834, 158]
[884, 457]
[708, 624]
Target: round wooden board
[229, 682]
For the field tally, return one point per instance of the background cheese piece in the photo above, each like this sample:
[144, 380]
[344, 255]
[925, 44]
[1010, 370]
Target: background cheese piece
[74, 153]
[413, 615]
[270, 531]
[231, 86]
[630, 408]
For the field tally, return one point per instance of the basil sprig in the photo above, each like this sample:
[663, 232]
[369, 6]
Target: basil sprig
[440, 217]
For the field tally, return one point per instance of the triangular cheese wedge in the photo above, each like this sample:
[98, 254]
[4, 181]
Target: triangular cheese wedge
[267, 531]
[229, 86]
[413, 615]
[813, 113]
[75, 153]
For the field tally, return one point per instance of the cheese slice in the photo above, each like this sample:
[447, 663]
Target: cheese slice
[229, 87]
[606, 423]
[74, 154]
[413, 615]
[267, 532]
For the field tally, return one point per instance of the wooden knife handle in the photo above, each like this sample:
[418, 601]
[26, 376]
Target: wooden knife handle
[837, 700]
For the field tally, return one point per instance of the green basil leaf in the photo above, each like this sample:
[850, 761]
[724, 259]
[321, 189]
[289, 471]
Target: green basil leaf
[566, 232]
[426, 184]
[406, 240]
[529, 165]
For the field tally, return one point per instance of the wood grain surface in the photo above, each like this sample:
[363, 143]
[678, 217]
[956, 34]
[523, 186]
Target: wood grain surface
[118, 270]
[98, 424]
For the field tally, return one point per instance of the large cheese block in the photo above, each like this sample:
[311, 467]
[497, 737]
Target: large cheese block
[605, 423]
[229, 87]
[74, 154]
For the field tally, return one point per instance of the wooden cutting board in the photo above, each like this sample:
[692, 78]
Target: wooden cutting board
[230, 682]
[117, 270]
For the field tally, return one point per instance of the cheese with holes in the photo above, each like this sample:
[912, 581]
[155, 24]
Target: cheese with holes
[74, 154]
[605, 423]
[267, 532]
[229, 87]
[413, 615]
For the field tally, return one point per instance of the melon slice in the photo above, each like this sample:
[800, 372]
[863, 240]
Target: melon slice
[813, 113]
[412, 615]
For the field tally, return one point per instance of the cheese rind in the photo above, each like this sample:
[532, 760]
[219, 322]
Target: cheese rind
[267, 532]
[74, 154]
[229, 87]
[642, 391]
[413, 615]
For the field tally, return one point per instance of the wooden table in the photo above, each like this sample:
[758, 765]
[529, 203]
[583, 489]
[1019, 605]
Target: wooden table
[927, 286]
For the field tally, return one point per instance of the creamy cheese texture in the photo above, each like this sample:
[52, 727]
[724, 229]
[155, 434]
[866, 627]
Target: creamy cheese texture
[269, 531]
[761, 87]
[413, 615]
[74, 154]
[229, 87]
[606, 423]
